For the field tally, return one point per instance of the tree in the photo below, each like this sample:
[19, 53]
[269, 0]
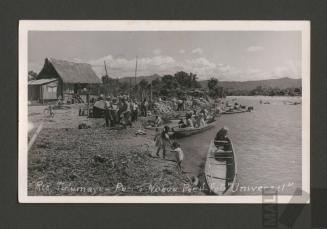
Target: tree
[143, 85]
[32, 75]
[124, 88]
[212, 83]
[156, 83]
[168, 82]
[105, 79]
[184, 79]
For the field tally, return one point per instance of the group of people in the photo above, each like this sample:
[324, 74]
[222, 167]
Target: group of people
[195, 119]
[120, 110]
[163, 142]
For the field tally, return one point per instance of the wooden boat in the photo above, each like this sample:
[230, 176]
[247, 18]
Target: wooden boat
[235, 111]
[188, 131]
[220, 168]
[153, 127]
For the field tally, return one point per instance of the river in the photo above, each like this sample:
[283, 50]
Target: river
[267, 143]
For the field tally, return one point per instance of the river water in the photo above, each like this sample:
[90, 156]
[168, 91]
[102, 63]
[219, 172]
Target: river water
[267, 143]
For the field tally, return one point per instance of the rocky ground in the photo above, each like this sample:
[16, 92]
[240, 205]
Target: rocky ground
[65, 160]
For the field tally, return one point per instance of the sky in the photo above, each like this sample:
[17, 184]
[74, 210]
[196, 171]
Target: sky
[226, 55]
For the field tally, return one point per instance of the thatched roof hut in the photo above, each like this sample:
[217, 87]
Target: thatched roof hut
[69, 72]
[69, 80]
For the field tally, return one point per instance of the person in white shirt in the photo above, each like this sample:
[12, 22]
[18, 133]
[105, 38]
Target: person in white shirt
[179, 155]
[107, 106]
[157, 121]
[189, 122]
[202, 122]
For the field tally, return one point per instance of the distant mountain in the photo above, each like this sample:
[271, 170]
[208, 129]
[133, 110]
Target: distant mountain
[281, 83]
[139, 78]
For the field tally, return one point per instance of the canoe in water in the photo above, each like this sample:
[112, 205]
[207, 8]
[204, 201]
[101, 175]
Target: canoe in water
[234, 111]
[220, 168]
[188, 131]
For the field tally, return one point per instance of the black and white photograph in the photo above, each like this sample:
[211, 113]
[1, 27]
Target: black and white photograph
[164, 111]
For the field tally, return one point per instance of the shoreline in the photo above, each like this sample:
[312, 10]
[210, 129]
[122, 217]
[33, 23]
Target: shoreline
[98, 161]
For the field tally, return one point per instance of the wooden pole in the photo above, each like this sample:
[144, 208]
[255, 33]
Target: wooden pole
[135, 71]
[135, 77]
[130, 86]
[151, 92]
[105, 67]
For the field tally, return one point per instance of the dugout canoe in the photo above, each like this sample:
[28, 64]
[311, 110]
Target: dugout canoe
[234, 111]
[220, 167]
[188, 131]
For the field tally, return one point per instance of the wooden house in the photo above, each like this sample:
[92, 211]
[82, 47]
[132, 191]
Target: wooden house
[63, 78]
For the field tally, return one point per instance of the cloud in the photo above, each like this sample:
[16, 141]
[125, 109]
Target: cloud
[253, 71]
[255, 49]
[201, 62]
[36, 66]
[77, 60]
[197, 51]
[181, 51]
[157, 52]
[204, 68]
[291, 69]
[121, 67]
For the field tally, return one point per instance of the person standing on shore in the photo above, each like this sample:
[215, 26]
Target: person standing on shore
[134, 110]
[114, 112]
[157, 121]
[179, 155]
[162, 141]
[127, 113]
[107, 112]
[179, 104]
[144, 107]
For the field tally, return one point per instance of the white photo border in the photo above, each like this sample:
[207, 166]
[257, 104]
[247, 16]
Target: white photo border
[89, 25]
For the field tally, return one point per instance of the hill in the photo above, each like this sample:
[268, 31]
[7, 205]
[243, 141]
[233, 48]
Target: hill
[139, 78]
[281, 83]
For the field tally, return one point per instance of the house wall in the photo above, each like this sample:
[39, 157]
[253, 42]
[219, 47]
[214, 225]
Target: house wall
[49, 91]
[33, 93]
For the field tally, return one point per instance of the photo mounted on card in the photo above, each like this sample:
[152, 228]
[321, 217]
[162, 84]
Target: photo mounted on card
[164, 112]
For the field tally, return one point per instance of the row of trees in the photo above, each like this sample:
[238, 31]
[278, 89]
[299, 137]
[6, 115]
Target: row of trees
[180, 84]
[268, 91]
[214, 89]
[174, 85]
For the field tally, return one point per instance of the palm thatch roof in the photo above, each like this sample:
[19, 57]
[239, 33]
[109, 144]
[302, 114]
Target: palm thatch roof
[69, 72]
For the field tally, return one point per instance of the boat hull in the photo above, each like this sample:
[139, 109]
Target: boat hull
[220, 170]
[234, 112]
[185, 132]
